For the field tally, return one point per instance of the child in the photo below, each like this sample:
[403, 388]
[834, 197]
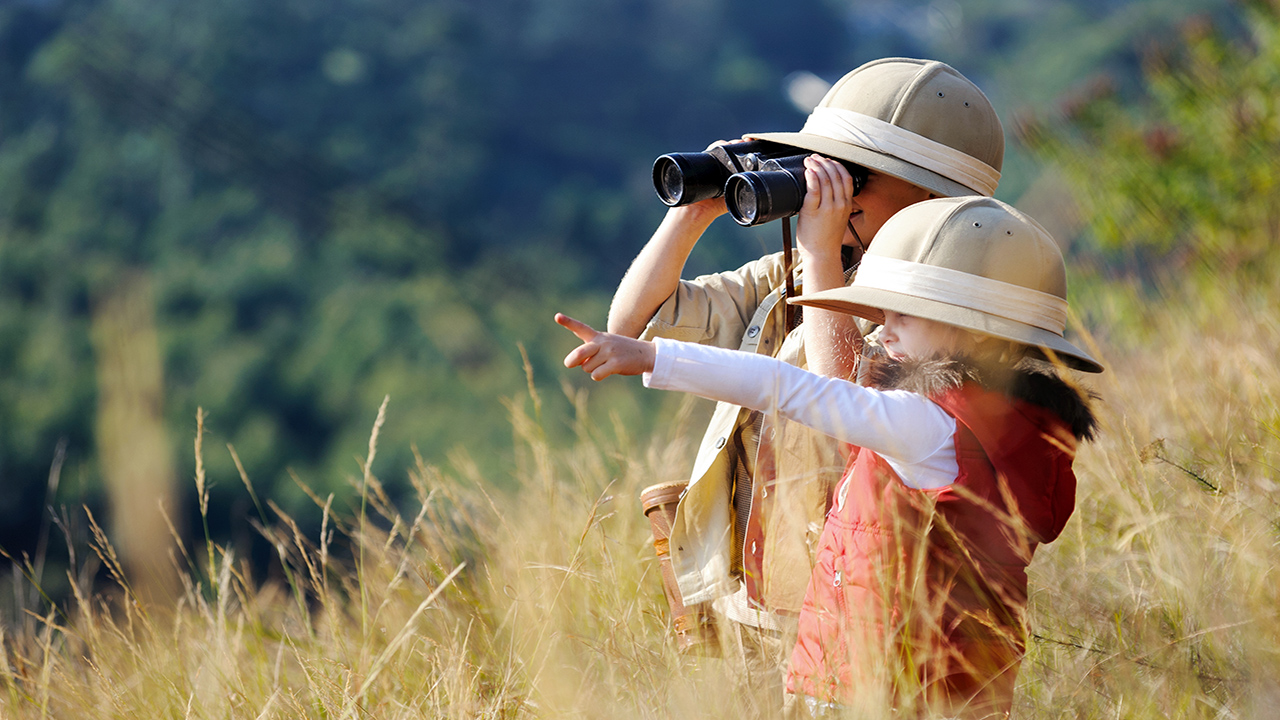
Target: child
[963, 463]
[744, 534]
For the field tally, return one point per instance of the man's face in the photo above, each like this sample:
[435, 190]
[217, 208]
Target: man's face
[881, 197]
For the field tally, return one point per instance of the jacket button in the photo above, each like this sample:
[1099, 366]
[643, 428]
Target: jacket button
[753, 331]
[753, 547]
[720, 443]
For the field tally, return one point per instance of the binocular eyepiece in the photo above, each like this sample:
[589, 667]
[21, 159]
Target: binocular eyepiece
[760, 181]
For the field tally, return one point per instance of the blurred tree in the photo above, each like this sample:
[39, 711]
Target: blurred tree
[133, 446]
[337, 203]
[1190, 172]
[1024, 53]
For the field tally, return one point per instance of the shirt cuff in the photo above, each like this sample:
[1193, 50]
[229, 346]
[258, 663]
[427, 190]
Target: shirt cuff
[662, 363]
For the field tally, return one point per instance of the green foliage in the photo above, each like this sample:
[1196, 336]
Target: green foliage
[1024, 54]
[336, 204]
[1189, 172]
[332, 203]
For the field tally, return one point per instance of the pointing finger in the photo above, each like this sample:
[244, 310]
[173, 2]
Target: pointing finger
[584, 331]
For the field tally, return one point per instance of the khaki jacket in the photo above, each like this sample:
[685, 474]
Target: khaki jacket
[796, 468]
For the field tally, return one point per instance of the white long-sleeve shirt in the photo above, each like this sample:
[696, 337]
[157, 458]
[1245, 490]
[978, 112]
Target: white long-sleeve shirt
[912, 433]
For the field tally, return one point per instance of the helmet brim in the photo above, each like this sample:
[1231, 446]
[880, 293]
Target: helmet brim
[872, 160]
[870, 303]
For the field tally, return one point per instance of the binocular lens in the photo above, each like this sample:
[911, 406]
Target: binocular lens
[742, 200]
[686, 178]
[670, 182]
[758, 197]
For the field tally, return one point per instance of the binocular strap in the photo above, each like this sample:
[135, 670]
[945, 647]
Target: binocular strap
[789, 292]
[788, 311]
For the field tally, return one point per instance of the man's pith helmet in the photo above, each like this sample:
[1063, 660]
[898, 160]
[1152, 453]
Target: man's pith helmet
[917, 120]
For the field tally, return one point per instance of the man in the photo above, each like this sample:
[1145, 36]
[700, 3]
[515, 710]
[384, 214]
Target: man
[748, 521]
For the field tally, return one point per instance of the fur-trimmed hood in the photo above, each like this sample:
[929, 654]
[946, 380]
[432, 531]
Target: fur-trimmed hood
[1029, 381]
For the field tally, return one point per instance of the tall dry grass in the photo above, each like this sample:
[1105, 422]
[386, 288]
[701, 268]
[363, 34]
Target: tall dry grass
[1160, 600]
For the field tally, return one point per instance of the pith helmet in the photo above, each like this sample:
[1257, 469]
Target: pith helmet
[972, 262]
[917, 120]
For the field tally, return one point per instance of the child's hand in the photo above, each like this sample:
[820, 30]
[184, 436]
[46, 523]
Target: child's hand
[828, 202]
[604, 354]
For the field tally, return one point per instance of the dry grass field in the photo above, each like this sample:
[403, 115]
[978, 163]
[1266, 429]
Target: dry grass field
[1160, 600]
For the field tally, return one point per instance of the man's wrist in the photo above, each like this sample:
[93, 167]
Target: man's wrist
[697, 213]
[822, 259]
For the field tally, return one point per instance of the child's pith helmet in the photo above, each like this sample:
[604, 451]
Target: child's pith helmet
[973, 262]
[917, 120]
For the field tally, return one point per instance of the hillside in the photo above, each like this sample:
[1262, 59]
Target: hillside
[271, 218]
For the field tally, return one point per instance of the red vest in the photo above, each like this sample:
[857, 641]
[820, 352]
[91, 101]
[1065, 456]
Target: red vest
[926, 590]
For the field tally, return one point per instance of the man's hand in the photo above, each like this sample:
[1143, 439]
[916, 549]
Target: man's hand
[604, 354]
[831, 340]
[828, 202]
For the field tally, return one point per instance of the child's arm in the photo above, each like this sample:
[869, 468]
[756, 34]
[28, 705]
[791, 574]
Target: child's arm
[911, 432]
[831, 339]
[605, 354]
[900, 425]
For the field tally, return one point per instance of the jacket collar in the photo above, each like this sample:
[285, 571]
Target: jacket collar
[1029, 381]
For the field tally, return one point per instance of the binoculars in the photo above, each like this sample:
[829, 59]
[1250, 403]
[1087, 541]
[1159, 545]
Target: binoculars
[760, 180]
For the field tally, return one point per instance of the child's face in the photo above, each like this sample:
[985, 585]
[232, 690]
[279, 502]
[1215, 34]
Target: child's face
[907, 336]
[882, 196]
